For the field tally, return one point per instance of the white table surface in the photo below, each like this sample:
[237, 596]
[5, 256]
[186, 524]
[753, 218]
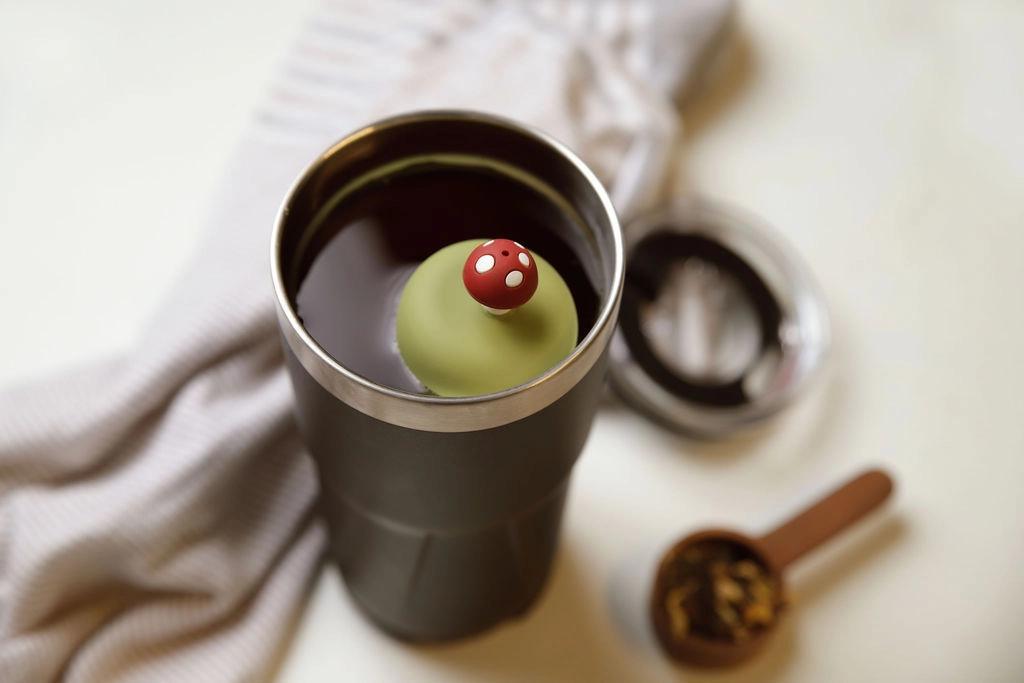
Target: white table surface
[883, 139]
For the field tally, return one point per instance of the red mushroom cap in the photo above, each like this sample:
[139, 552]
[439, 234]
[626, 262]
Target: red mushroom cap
[500, 274]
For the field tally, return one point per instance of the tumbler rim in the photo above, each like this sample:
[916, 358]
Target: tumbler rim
[433, 413]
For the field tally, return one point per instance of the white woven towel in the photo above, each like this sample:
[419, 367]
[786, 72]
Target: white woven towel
[155, 510]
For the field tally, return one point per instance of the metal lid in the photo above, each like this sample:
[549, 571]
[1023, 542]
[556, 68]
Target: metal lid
[721, 324]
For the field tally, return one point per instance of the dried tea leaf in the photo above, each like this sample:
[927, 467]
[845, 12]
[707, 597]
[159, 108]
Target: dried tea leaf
[761, 590]
[746, 569]
[759, 614]
[719, 591]
[727, 613]
[677, 614]
[729, 590]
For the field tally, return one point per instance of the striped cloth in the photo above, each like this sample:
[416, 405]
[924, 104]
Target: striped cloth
[156, 515]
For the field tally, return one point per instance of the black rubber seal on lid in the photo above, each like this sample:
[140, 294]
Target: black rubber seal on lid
[650, 262]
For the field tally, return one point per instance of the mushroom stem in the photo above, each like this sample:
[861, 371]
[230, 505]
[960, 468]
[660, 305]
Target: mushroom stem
[496, 311]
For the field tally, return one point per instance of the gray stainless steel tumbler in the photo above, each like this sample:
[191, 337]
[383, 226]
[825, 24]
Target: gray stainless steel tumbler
[444, 513]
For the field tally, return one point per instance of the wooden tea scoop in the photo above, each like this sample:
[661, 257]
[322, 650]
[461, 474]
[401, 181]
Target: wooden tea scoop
[771, 554]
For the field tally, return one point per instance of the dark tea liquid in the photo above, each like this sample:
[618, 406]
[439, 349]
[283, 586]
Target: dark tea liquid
[363, 251]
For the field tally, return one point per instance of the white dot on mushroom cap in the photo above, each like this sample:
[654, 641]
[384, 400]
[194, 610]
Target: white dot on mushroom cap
[484, 263]
[514, 279]
[524, 259]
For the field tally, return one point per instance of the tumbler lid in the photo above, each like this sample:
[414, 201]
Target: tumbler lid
[721, 324]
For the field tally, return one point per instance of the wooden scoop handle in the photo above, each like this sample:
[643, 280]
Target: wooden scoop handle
[826, 518]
